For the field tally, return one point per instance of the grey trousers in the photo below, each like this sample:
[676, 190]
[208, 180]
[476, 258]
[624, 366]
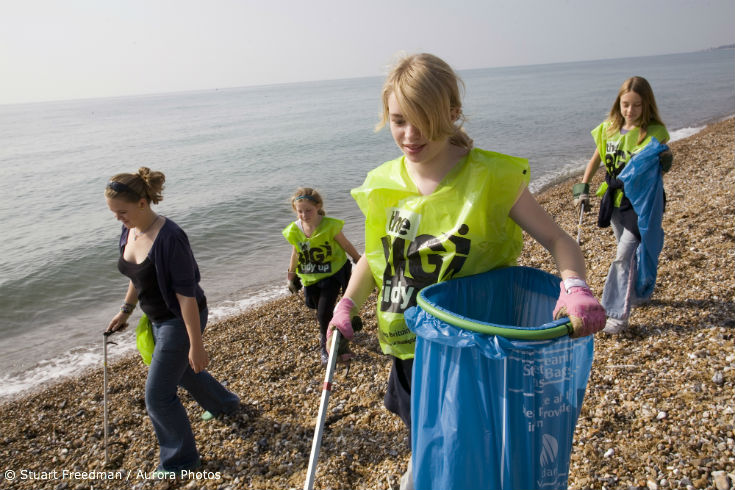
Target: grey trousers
[619, 293]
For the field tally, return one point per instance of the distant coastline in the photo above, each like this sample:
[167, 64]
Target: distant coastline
[724, 46]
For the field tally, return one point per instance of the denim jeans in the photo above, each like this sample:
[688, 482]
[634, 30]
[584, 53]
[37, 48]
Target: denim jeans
[170, 369]
[619, 292]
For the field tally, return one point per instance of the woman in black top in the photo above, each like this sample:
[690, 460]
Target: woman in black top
[164, 278]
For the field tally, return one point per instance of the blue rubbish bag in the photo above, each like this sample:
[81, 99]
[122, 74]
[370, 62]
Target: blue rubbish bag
[490, 411]
[644, 187]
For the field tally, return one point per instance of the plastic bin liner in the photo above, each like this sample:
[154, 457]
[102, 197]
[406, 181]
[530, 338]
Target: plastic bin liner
[644, 187]
[490, 412]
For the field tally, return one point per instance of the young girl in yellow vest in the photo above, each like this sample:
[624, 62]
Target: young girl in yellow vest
[318, 259]
[630, 127]
[444, 209]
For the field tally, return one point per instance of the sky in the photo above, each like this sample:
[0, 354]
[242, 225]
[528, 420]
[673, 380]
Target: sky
[70, 49]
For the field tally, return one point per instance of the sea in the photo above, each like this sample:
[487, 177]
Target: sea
[233, 157]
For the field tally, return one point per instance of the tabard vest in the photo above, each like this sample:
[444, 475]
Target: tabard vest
[320, 255]
[413, 241]
[617, 149]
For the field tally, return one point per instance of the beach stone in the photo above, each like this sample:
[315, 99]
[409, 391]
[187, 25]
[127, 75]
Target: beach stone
[701, 482]
[647, 414]
[721, 481]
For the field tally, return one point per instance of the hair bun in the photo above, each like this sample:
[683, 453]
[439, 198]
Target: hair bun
[145, 174]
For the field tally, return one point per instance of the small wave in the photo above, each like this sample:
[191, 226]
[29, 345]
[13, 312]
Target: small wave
[682, 133]
[82, 358]
[66, 366]
[229, 308]
[569, 170]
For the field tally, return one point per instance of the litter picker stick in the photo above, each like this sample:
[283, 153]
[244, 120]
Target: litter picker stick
[104, 382]
[104, 390]
[326, 391]
[579, 225]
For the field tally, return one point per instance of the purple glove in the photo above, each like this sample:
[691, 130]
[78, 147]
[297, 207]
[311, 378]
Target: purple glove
[342, 319]
[584, 311]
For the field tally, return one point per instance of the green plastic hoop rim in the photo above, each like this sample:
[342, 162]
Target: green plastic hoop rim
[508, 332]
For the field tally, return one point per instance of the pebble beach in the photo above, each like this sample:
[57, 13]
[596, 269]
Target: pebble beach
[658, 413]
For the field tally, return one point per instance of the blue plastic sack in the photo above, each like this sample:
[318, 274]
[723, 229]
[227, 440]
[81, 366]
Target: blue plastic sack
[644, 187]
[490, 412]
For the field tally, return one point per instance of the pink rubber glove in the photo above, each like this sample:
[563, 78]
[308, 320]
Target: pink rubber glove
[584, 311]
[342, 319]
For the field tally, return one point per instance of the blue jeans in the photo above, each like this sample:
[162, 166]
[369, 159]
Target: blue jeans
[619, 292]
[170, 369]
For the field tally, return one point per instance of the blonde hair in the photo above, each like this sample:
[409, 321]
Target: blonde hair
[428, 92]
[310, 195]
[649, 110]
[145, 184]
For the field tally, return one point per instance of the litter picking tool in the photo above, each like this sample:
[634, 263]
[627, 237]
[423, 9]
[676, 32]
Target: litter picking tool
[579, 225]
[105, 335]
[326, 392]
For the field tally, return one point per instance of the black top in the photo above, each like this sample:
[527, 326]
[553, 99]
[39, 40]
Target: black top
[143, 276]
[173, 269]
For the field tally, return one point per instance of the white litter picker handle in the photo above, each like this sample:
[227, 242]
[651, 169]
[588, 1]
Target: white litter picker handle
[104, 391]
[326, 392]
[579, 225]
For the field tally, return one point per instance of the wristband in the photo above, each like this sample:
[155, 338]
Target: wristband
[573, 282]
[127, 308]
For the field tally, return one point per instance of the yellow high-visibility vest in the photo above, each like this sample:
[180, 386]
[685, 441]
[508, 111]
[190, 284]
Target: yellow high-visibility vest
[413, 241]
[320, 255]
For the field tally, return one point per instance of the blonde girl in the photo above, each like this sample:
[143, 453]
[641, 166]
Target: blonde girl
[444, 209]
[632, 123]
[318, 258]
